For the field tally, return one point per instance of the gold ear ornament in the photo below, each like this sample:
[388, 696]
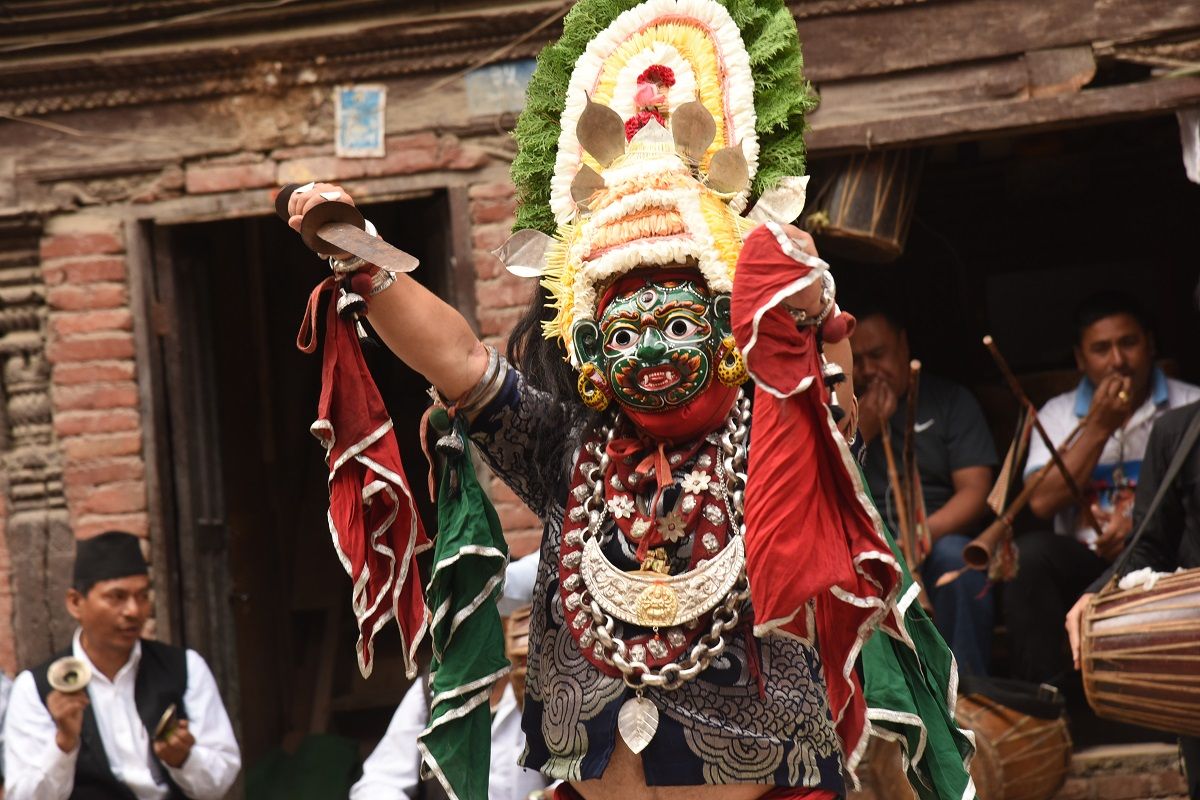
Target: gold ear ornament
[731, 369]
[593, 396]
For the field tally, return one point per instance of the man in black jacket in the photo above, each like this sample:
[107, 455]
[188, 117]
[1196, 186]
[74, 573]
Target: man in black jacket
[115, 740]
[1171, 539]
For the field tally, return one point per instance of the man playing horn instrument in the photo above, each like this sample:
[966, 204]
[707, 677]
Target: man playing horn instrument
[1120, 395]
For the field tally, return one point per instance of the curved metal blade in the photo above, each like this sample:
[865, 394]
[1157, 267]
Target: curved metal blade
[358, 242]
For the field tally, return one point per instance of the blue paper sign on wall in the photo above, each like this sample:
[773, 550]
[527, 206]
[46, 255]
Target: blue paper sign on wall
[360, 116]
[498, 88]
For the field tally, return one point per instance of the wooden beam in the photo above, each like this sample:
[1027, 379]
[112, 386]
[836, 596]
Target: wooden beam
[935, 90]
[911, 37]
[1110, 104]
[1042, 73]
[1130, 21]
[937, 34]
[1061, 69]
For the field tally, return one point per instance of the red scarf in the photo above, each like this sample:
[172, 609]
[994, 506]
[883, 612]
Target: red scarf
[377, 530]
[805, 502]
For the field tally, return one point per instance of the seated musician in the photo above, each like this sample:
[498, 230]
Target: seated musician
[955, 455]
[392, 771]
[1171, 539]
[1119, 397]
[109, 740]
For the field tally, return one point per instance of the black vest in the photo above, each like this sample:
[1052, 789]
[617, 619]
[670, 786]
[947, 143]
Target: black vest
[161, 680]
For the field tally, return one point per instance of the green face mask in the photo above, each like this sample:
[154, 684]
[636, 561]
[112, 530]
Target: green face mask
[656, 345]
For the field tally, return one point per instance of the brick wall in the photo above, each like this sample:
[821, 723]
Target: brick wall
[1125, 772]
[94, 391]
[1111, 772]
[501, 297]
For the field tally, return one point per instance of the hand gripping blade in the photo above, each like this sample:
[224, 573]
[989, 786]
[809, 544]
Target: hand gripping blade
[338, 229]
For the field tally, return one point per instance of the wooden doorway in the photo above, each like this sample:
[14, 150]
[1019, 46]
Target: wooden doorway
[250, 576]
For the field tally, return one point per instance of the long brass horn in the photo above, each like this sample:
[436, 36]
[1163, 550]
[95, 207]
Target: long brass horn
[977, 554]
[1014, 385]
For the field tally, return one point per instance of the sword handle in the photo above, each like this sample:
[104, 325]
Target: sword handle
[282, 198]
[318, 216]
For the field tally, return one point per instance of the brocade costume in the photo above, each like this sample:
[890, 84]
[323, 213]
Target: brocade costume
[757, 715]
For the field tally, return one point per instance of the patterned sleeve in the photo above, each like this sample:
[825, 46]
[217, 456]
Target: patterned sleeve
[523, 434]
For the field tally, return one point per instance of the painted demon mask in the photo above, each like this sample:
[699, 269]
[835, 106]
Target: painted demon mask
[657, 341]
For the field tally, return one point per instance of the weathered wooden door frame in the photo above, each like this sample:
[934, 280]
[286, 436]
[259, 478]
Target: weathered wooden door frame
[187, 527]
[189, 540]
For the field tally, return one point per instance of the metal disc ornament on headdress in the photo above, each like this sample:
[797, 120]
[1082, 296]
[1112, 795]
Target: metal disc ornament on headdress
[669, 124]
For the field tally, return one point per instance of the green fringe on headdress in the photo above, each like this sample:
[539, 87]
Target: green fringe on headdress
[782, 98]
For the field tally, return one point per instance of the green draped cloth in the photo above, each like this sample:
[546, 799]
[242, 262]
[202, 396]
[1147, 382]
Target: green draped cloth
[910, 688]
[468, 639]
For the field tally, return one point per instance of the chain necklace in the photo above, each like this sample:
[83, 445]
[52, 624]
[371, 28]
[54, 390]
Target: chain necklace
[638, 718]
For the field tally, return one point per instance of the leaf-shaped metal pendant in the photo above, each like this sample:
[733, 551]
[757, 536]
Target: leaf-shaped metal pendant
[637, 722]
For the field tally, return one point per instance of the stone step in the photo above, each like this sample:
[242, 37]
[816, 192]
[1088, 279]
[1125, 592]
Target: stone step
[1147, 771]
[1125, 772]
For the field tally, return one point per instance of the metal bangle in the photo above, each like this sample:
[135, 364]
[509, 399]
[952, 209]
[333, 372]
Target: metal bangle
[488, 386]
[380, 281]
[340, 267]
[828, 295]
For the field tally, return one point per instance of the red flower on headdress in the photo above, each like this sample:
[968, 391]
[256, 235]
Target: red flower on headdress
[639, 120]
[659, 75]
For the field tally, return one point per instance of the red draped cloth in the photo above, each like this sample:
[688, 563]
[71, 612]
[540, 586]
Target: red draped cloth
[373, 518]
[811, 531]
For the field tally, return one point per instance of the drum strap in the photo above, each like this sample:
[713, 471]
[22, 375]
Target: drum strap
[1181, 454]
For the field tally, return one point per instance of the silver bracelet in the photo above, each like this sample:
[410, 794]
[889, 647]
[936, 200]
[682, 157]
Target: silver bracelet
[487, 388]
[342, 268]
[380, 281]
[828, 296]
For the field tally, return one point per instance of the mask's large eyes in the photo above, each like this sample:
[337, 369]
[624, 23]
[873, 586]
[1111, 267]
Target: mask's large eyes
[680, 328]
[622, 339]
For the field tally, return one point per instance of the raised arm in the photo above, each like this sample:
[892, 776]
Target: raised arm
[425, 332]
[1108, 413]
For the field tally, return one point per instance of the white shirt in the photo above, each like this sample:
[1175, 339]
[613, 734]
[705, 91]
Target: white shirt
[1121, 460]
[519, 577]
[391, 772]
[36, 769]
[5, 690]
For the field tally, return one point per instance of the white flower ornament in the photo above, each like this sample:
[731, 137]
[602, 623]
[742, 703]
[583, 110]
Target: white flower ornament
[621, 507]
[672, 527]
[696, 482]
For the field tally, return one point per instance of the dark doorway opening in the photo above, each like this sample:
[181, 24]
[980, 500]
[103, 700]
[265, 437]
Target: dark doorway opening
[257, 587]
[1008, 235]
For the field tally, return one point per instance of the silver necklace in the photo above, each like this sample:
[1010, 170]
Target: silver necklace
[638, 718]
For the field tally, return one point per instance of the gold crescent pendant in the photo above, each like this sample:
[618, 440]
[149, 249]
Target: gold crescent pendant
[651, 600]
